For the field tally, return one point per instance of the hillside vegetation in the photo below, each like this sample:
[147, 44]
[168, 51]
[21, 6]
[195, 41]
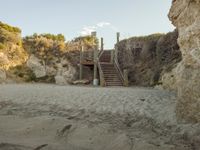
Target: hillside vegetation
[12, 52]
[52, 59]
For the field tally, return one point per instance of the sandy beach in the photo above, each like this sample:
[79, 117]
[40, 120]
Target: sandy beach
[52, 117]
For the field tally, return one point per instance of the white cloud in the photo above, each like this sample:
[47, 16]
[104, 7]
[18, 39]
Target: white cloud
[103, 24]
[87, 30]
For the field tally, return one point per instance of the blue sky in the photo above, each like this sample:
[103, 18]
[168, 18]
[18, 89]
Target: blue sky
[76, 17]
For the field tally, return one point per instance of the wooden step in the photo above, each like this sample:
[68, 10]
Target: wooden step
[114, 81]
[105, 57]
[111, 76]
[114, 84]
[111, 82]
[110, 73]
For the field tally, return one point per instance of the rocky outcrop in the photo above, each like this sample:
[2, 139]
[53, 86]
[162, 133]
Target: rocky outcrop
[137, 54]
[49, 60]
[35, 65]
[185, 15]
[148, 58]
[66, 73]
[169, 80]
[62, 73]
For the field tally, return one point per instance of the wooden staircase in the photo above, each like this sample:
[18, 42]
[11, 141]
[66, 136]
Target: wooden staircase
[109, 74]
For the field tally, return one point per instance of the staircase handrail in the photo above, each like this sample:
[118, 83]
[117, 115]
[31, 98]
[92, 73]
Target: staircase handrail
[102, 79]
[100, 53]
[116, 63]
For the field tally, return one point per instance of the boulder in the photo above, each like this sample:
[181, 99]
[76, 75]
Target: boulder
[35, 65]
[65, 75]
[69, 74]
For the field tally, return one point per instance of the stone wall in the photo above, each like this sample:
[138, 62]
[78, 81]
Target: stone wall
[185, 15]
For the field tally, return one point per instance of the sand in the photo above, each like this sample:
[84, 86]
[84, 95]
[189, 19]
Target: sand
[51, 117]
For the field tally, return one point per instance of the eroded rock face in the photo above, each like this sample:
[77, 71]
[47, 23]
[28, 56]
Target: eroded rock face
[137, 55]
[63, 72]
[35, 65]
[185, 15]
[169, 80]
[149, 58]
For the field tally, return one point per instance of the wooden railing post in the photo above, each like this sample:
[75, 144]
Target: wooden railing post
[95, 80]
[102, 44]
[126, 82]
[116, 49]
[112, 56]
[118, 36]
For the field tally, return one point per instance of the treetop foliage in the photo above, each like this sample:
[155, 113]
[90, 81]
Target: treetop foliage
[87, 40]
[58, 37]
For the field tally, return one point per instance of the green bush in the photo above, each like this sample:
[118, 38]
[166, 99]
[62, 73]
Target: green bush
[2, 46]
[58, 37]
[9, 28]
[88, 41]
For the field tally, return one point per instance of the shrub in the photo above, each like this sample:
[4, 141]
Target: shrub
[2, 46]
[9, 28]
[58, 37]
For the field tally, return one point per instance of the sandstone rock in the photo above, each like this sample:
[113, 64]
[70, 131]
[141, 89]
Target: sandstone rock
[148, 58]
[51, 71]
[137, 55]
[185, 15]
[169, 80]
[62, 72]
[35, 65]
[69, 74]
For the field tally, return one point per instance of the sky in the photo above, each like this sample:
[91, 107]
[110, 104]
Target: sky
[79, 17]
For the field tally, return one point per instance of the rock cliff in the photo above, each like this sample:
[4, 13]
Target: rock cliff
[148, 58]
[40, 57]
[53, 60]
[49, 59]
[185, 15]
